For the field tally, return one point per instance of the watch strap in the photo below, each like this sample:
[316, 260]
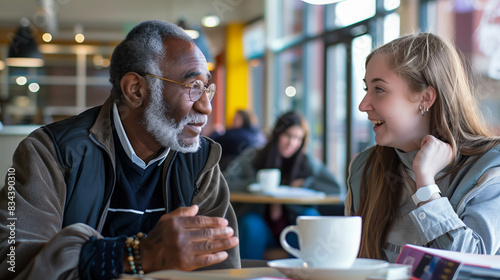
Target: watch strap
[432, 189]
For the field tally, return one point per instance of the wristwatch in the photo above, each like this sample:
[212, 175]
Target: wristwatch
[425, 193]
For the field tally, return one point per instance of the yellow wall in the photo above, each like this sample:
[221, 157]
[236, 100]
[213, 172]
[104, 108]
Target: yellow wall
[236, 72]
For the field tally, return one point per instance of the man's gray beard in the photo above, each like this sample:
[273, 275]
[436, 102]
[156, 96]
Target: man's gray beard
[164, 129]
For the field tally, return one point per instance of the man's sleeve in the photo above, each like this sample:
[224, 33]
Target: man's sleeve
[33, 244]
[213, 200]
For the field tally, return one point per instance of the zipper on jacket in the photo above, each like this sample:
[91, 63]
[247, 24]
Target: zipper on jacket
[107, 198]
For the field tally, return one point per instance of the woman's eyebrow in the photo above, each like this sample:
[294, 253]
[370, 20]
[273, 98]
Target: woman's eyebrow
[374, 80]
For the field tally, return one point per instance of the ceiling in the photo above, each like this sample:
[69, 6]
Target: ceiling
[107, 21]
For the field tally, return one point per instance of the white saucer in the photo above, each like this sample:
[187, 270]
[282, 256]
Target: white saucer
[297, 269]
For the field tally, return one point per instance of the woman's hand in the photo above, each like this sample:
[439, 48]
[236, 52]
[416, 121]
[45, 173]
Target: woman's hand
[297, 183]
[434, 155]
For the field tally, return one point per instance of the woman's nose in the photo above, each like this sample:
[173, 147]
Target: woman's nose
[365, 105]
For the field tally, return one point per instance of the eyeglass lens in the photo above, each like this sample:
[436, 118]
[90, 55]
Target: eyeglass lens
[198, 88]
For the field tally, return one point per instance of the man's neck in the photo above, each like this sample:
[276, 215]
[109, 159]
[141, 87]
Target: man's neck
[143, 143]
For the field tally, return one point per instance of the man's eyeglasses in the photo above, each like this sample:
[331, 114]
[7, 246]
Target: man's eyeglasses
[196, 89]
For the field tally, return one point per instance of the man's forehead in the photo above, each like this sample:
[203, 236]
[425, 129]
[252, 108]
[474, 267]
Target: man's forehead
[176, 44]
[186, 57]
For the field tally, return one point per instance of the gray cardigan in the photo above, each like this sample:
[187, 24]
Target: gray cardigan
[465, 219]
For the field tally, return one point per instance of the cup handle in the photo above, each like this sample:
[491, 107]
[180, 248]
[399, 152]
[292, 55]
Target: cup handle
[285, 244]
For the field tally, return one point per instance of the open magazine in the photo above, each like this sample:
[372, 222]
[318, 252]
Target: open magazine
[430, 263]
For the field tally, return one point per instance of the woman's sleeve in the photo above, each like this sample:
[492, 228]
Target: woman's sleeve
[476, 227]
[322, 179]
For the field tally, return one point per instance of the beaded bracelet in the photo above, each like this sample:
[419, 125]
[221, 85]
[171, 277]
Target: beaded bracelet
[133, 244]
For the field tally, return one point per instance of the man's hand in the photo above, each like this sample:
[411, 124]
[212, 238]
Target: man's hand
[184, 241]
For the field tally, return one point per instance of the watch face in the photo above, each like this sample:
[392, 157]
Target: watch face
[424, 194]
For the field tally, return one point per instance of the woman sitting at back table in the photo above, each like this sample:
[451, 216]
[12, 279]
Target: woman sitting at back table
[260, 226]
[433, 179]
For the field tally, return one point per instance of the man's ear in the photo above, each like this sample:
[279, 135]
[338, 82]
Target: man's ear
[134, 89]
[428, 97]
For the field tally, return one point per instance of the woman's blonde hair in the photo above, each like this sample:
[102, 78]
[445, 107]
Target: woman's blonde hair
[421, 60]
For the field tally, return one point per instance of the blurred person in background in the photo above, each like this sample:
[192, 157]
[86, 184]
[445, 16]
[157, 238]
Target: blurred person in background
[261, 225]
[242, 135]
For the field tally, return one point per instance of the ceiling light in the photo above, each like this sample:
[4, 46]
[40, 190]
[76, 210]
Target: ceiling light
[34, 87]
[23, 50]
[106, 62]
[290, 91]
[97, 60]
[193, 33]
[79, 37]
[21, 80]
[46, 37]
[321, 2]
[210, 21]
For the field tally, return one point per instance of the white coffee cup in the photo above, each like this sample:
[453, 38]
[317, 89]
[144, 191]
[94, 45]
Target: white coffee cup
[269, 179]
[325, 241]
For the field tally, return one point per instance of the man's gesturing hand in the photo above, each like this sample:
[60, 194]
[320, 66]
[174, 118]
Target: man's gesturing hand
[184, 241]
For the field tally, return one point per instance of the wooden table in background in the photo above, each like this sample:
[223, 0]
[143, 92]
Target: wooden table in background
[242, 197]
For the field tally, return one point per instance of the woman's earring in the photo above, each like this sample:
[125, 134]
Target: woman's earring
[422, 110]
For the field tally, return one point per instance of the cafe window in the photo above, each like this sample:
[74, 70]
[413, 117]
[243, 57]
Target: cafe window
[290, 89]
[348, 12]
[314, 96]
[336, 115]
[291, 16]
[70, 81]
[361, 126]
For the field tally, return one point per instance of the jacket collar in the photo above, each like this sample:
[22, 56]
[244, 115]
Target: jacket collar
[102, 129]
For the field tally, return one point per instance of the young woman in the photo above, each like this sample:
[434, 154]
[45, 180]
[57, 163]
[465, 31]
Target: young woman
[259, 227]
[433, 178]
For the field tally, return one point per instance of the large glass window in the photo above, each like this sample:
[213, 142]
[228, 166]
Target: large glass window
[361, 126]
[391, 27]
[290, 86]
[336, 115]
[348, 12]
[315, 19]
[257, 78]
[319, 66]
[391, 4]
[313, 96]
[292, 17]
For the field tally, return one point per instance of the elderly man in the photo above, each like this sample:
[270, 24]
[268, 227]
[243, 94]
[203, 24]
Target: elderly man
[127, 187]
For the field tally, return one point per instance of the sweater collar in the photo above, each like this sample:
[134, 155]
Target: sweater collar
[407, 158]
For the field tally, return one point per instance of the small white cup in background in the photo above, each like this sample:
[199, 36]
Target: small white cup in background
[269, 179]
[325, 241]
